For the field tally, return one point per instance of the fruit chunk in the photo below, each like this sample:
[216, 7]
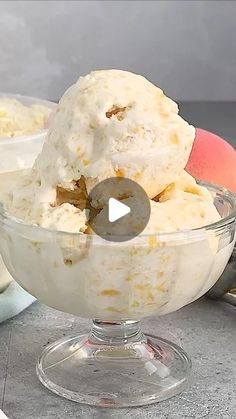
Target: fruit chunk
[213, 159]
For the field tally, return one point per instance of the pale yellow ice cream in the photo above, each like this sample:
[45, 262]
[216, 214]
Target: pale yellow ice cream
[17, 119]
[66, 217]
[109, 123]
[114, 123]
[183, 205]
[20, 200]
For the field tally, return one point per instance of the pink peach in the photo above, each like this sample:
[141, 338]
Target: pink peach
[213, 159]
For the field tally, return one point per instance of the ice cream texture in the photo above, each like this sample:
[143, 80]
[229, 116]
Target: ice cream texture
[110, 123]
[17, 119]
[114, 123]
[182, 205]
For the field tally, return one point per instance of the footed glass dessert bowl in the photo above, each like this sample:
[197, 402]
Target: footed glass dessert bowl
[117, 284]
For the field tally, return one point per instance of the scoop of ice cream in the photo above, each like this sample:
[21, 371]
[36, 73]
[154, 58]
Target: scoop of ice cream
[114, 123]
[17, 119]
[183, 185]
[66, 217]
[183, 205]
[186, 212]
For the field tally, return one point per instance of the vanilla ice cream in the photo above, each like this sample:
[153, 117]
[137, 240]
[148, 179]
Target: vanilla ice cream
[7, 180]
[109, 123]
[17, 119]
[183, 205]
[22, 130]
[93, 278]
[114, 123]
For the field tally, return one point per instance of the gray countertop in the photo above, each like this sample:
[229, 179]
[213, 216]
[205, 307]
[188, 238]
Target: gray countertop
[205, 329]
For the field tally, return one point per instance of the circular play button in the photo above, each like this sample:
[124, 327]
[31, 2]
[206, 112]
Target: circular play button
[119, 209]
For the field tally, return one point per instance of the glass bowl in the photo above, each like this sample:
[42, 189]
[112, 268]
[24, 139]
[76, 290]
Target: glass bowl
[116, 284]
[20, 152]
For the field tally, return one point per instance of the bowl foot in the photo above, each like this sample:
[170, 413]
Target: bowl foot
[135, 373]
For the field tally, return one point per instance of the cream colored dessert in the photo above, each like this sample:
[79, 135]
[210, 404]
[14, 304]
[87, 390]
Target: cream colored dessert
[7, 180]
[17, 119]
[93, 278]
[114, 123]
[183, 205]
[66, 217]
[110, 123]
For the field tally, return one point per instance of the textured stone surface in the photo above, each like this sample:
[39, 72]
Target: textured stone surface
[205, 329]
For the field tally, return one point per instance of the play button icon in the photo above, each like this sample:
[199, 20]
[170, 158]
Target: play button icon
[116, 210]
[119, 209]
